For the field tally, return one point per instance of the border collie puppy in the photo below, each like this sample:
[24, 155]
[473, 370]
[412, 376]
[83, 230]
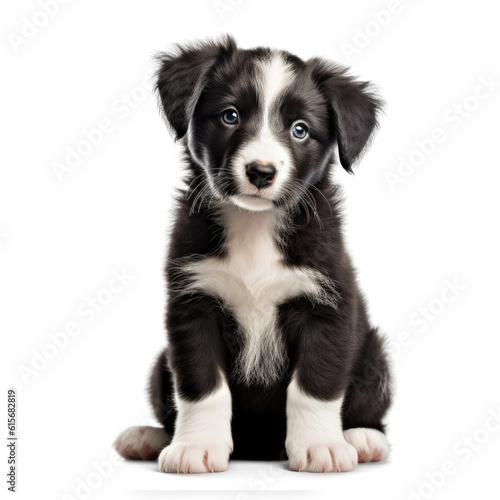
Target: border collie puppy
[270, 352]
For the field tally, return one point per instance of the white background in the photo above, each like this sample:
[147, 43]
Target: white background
[61, 239]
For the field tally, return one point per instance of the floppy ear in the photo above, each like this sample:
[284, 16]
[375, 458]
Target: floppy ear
[355, 108]
[181, 78]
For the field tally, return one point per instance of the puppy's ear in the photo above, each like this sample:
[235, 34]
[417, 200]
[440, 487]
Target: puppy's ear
[355, 108]
[182, 75]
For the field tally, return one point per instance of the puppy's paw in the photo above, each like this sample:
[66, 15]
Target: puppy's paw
[336, 456]
[194, 458]
[141, 442]
[371, 444]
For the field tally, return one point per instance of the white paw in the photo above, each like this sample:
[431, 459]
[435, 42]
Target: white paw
[141, 442]
[371, 444]
[194, 458]
[335, 456]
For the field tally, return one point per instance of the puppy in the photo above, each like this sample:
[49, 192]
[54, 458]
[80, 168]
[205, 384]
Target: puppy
[270, 352]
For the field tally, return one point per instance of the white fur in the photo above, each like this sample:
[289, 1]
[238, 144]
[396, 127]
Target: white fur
[252, 281]
[252, 202]
[142, 442]
[315, 441]
[202, 439]
[275, 75]
[370, 444]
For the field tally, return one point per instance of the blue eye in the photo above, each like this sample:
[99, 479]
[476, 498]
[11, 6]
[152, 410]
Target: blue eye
[230, 116]
[299, 130]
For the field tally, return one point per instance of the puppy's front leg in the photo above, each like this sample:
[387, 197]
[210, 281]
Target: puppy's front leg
[202, 438]
[202, 441]
[315, 441]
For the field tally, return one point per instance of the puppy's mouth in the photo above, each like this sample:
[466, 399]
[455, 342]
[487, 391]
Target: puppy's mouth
[253, 202]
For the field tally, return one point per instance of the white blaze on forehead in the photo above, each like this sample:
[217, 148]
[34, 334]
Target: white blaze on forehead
[274, 76]
[277, 76]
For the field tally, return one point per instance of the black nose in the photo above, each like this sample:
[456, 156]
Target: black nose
[261, 174]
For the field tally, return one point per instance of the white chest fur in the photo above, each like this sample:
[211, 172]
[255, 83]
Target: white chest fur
[252, 281]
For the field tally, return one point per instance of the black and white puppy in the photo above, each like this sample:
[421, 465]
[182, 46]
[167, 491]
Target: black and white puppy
[270, 353]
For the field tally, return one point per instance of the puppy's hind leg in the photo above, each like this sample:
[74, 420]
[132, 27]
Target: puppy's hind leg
[145, 442]
[141, 442]
[371, 444]
[368, 399]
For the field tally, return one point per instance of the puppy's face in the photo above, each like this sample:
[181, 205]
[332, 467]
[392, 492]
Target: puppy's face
[263, 125]
[261, 129]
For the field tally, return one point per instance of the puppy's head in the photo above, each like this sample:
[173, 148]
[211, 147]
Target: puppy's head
[263, 125]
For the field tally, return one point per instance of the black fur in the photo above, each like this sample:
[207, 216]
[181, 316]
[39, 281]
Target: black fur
[332, 350]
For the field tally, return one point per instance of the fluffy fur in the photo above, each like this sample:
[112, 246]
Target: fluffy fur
[270, 353]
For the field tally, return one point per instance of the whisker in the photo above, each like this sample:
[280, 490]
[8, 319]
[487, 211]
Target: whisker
[204, 183]
[308, 202]
[189, 191]
[326, 199]
[204, 193]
